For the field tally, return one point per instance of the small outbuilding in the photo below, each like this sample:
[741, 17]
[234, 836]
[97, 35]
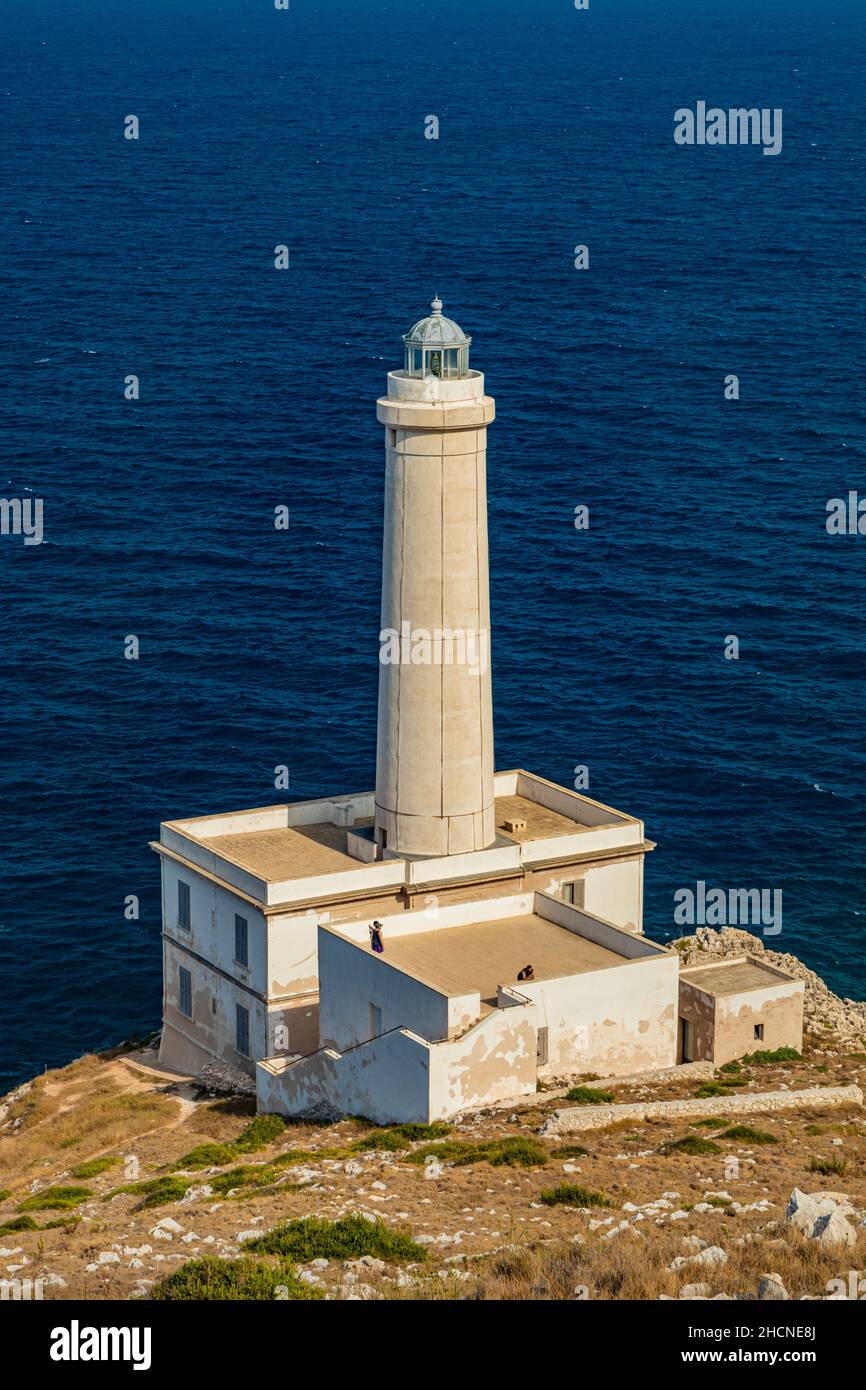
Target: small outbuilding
[735, 1006]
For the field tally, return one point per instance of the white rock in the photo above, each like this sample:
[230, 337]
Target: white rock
[108, 1257]
[247, 1235]
[833, 1229]
[770, 1286]
[695, 1291]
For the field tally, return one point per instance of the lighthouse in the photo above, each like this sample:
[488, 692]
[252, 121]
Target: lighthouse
[434, 755]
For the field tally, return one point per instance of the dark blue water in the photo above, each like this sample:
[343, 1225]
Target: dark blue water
[258, 647]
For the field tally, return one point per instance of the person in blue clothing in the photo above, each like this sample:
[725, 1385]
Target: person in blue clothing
[376, 938]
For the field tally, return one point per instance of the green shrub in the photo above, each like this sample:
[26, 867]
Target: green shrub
[4, 1193]
[570, 1194]
[747, 1135]
[213, 1280]
[207, 1156]
[265, 1129]
[692, 1144]
[313, 1238]
[588, 1095]
[397, 1137]
[18, 1223]
[781, 1054]
[828, 1167]
[56, 1199]
[154, 1191]
[712, 1122]
[571, 1151]
[516, 1152]
[94, 1166]
[718, 1201]
[719, 1088]
[732, 1067]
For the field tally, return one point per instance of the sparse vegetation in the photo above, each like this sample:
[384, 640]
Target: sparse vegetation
[18, 1223]
[570, 1194]
[264, 1130]
[313, 1238]
[243, 1280]
[827, 1167]
[780, 1054]
[745, 1134]
[94, 1166]
[589, 1095]
[719, 1088]
[56, 1199]
[398, 1137]
[692, 1144]
[516, 1152]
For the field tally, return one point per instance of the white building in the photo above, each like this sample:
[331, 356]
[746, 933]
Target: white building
[474, 875]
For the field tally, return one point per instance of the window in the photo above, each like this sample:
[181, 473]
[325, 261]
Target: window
[184, 919]
[375, 1021]
[241, 941]
[759, 1032]
[242, 1030]
[573, 892]
[184, 981]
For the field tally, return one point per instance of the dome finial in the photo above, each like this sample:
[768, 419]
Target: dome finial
[436, 304]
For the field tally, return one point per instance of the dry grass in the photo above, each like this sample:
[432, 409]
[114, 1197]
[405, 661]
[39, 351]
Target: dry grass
[77, 1114]
[633, 1268]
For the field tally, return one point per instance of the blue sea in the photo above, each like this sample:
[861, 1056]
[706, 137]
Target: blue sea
[258, 647]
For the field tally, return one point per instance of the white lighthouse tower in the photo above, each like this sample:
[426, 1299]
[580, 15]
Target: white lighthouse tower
[434, 764]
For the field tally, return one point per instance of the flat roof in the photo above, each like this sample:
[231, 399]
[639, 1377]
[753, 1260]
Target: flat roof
[541, 823]
[482, 955]
[287, 851]
[734, 977]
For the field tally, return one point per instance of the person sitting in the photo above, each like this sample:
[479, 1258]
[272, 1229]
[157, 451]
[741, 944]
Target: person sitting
[527, 973]
[376, 938]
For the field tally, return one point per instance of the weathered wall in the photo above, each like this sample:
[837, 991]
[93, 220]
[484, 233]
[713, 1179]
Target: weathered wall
[612, 1021]
[385, 1079]
[495, 1059]
[779, 1008]
[292, 955]
[582, 1117]
[212, 917]
[186, 1042]
[399, 1077]
[700, 1009]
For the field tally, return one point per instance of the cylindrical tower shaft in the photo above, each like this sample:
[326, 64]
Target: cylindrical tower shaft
[434, 771]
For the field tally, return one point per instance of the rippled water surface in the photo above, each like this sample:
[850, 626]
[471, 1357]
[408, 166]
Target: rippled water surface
[258, 388]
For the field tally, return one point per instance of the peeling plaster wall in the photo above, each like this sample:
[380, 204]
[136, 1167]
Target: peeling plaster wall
[614, 1021]
[399, 1077]
[779, 1008]
[493, 1061]
[211, 1030]
[386, 1079]
[293, 955]
[700, 1009]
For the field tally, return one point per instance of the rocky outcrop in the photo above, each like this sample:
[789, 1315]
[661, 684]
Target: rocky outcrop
[823, 1011]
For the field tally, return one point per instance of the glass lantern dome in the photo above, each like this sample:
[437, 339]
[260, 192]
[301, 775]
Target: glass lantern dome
[436, 346]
